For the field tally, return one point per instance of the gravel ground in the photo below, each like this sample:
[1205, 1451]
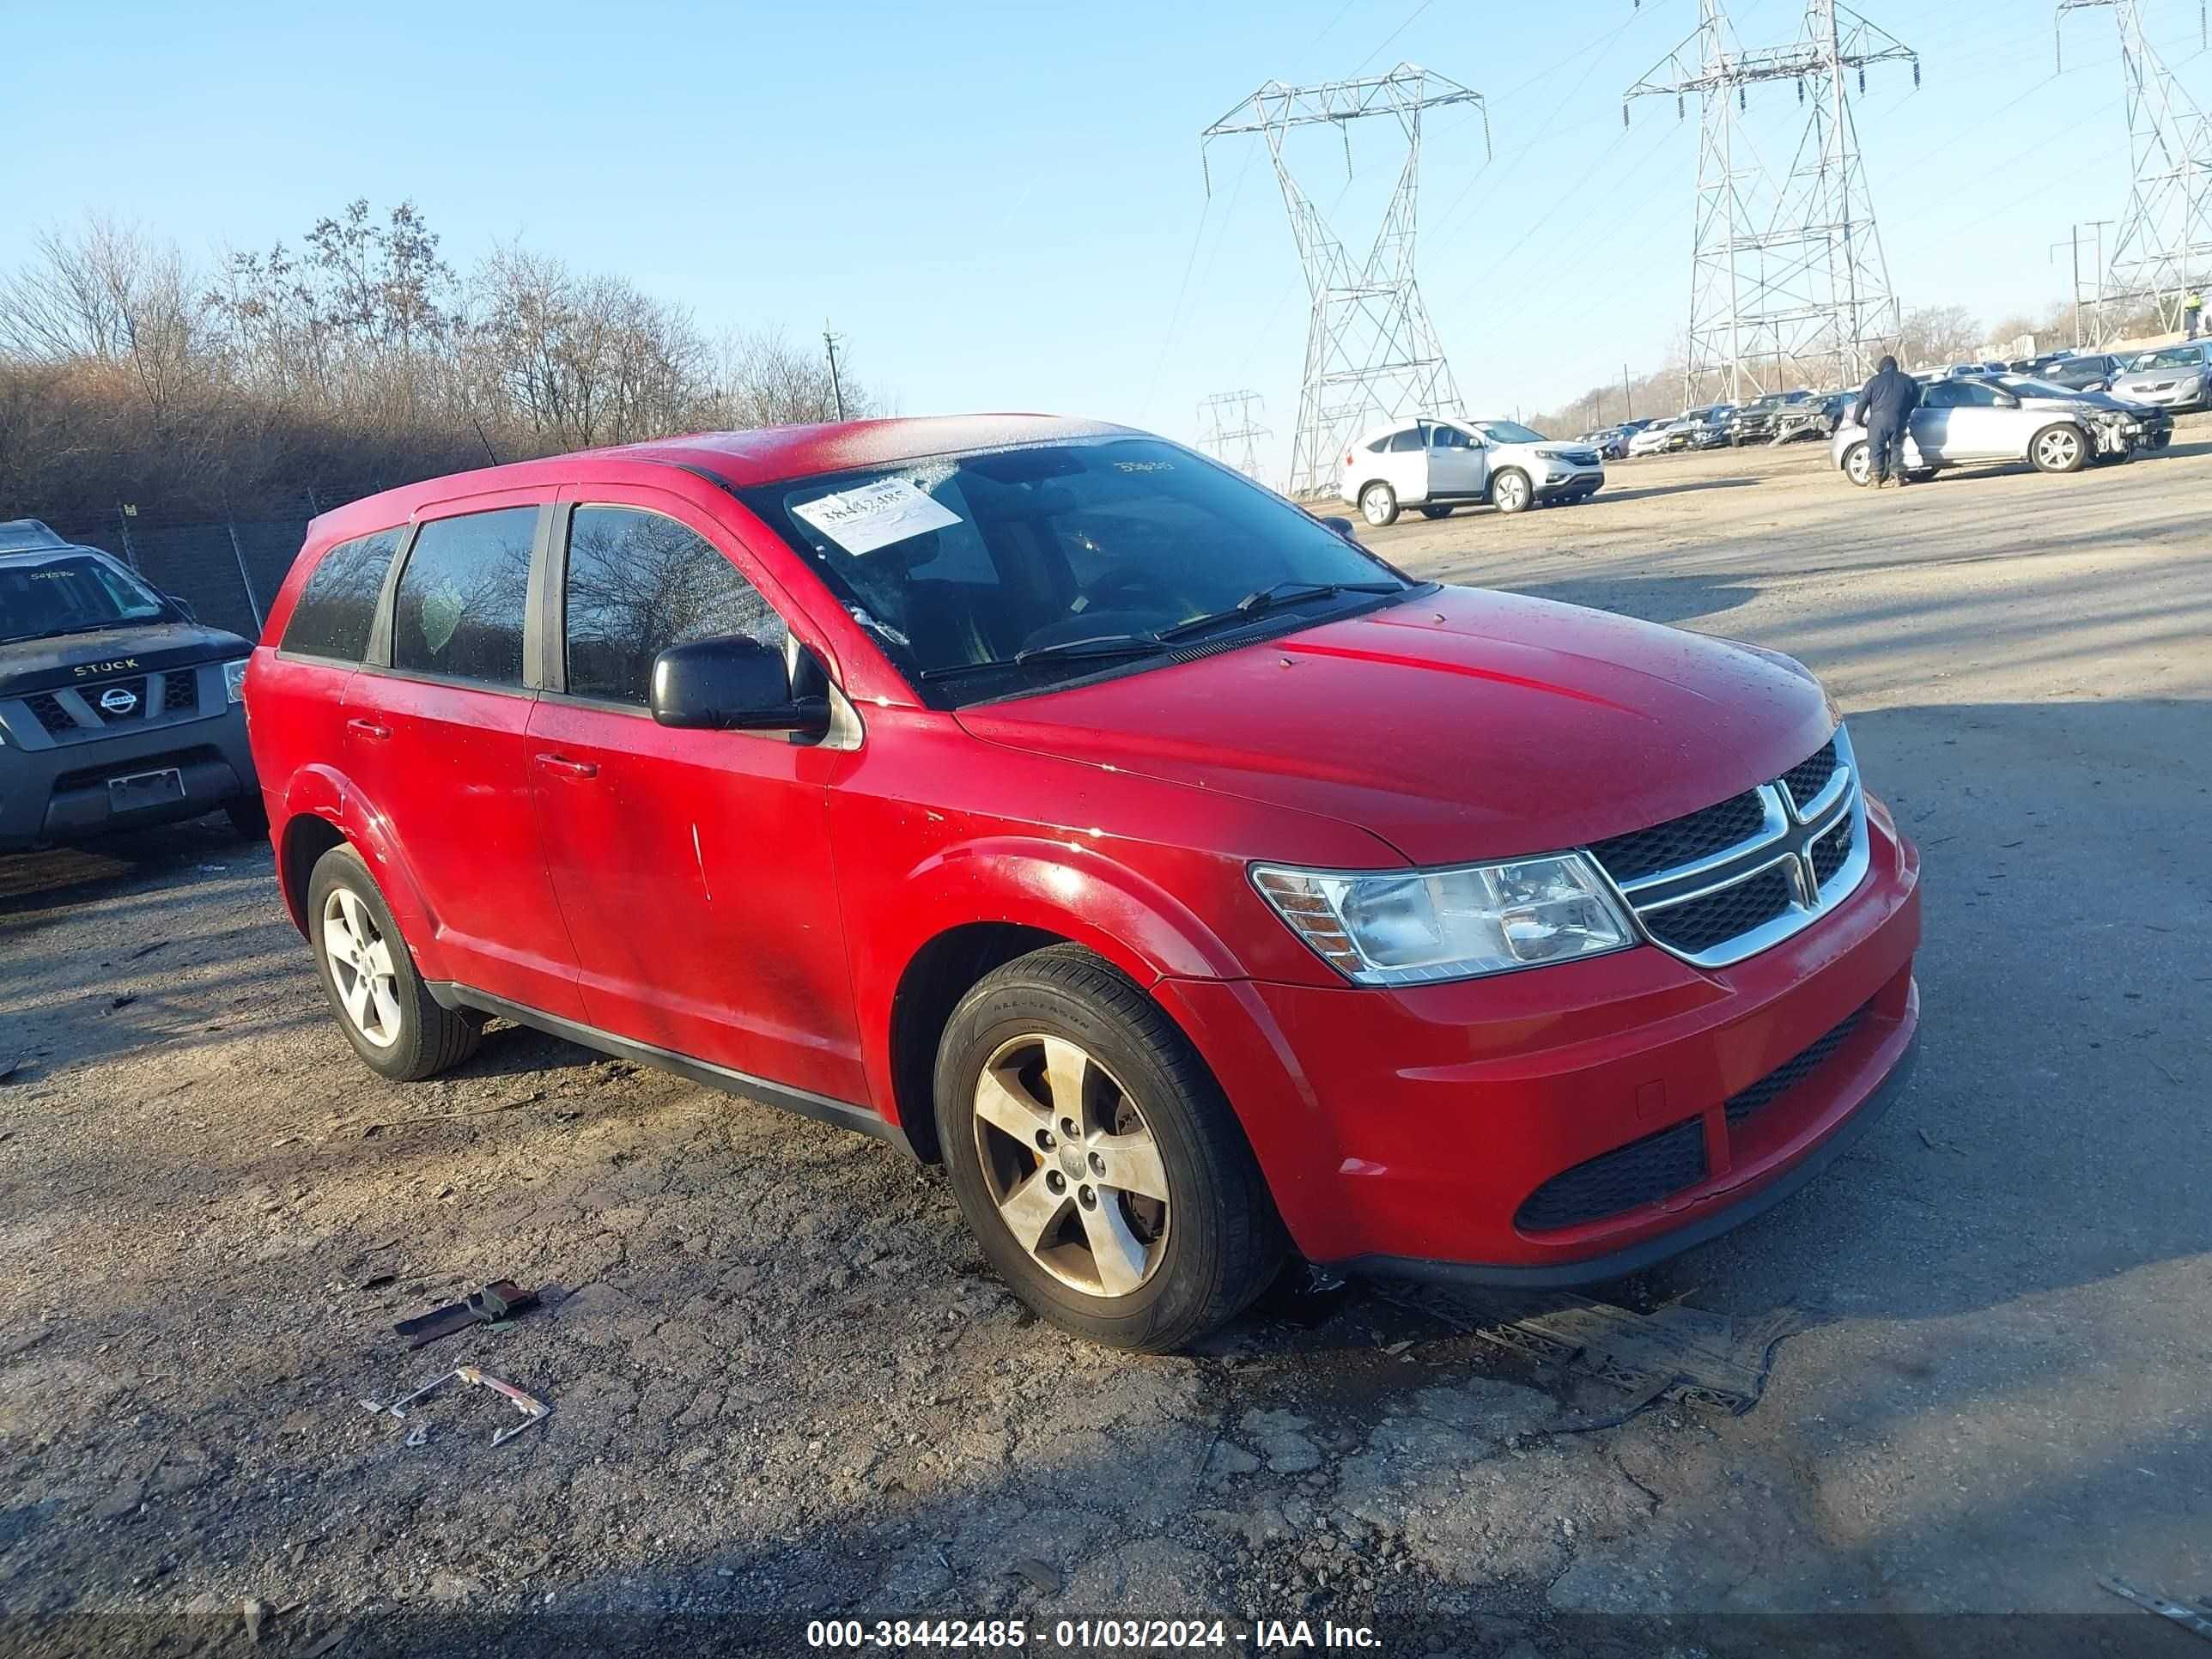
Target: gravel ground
[786, 1386]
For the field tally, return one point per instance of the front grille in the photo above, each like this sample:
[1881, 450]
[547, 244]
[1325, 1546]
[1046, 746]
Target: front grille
[52, 715]
[181, 693]
[1699, 926]
[1627, 1178]
[1684, 839]
[1808, 778]
[1793, 1071]
[1833, 850]
[1580, 456]
[1716, 885]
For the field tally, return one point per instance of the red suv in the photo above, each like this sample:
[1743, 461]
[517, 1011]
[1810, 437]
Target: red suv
[1041, 797]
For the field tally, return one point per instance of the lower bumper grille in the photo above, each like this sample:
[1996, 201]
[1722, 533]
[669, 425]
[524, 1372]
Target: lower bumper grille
[1627, 1178]
[1793, 1071]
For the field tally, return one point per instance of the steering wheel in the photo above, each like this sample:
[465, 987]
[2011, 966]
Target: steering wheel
[1129, 587]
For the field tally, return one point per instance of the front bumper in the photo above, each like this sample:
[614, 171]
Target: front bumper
[54, 790]
[1409, 1130]
[2180, 397]
[1561, 482]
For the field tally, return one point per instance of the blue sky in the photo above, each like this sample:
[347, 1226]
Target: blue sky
[1001, 206]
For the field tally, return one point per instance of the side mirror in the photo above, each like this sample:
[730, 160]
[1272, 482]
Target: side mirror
[733, 684]
[1343, 527]
[184, 606]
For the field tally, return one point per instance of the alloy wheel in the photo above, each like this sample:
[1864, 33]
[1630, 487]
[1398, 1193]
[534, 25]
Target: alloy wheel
[361, 968]
[2057, 449]
[1858, 466]
[1512, 493]
[1070, 1164]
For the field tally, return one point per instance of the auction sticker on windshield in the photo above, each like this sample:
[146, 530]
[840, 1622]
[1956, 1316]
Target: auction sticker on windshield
[875, 515]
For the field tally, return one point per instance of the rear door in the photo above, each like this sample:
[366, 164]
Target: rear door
[435, 739]
[1929, 424]
[693, 868]
[1406, 462]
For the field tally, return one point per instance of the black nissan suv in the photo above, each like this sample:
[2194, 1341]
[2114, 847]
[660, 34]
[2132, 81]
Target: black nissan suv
[116, 708]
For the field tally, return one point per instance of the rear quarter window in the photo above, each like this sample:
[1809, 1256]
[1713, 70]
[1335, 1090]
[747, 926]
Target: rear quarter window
[338, 604]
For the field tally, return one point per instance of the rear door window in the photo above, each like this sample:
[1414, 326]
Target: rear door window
[639, 582]
[338, 604]
[460, 607]
[1407, 443]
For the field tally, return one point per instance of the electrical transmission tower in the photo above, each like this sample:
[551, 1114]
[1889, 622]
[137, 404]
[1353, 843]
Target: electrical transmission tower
[2164, 249]
[1371, 352]
[1789, 283]
[1229, 429]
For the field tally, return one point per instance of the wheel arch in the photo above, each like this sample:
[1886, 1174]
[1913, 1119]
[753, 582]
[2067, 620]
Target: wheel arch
[981, 907]
[322, 810]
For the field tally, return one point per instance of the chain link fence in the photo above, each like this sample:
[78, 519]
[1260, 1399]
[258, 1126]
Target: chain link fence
[228, 571]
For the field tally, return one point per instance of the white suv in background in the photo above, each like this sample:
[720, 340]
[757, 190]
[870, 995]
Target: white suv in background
[1437, 465]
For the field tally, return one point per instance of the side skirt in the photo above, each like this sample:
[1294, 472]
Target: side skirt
[448, 994]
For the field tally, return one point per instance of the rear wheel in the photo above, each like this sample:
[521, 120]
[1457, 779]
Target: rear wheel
[1096, 1158]
[379, 997]
[1858, 465]
[1510, 490]
[1378, 505]
[2059, 448]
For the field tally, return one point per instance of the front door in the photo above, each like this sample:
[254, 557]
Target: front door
[1981, 426]
[1456, 460]
[693, 867]
[434, 741]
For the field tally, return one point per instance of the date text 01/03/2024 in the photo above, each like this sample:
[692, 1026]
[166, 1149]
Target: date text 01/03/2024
[1265, 1634]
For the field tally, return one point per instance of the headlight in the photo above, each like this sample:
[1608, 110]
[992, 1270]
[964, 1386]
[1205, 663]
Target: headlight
[234, 679]
[1408, 926]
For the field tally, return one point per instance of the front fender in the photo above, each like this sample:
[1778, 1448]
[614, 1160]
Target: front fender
[324, 792]
[1065, 888]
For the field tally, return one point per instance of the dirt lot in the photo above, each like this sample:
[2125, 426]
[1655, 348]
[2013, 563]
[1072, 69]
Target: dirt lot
[784, 1384]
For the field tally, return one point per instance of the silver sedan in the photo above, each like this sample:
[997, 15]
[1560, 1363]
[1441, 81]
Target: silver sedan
[1969, 423]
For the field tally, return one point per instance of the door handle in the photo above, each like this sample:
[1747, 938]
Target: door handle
[566, 767]
[375, 729]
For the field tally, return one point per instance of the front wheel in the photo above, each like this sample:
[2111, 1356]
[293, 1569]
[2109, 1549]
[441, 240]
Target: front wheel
[2059, 448]
[385, 1010]
[1096, 1158]
[1510, 491]
[1435, 513]
[1378, 505]
[248, 817]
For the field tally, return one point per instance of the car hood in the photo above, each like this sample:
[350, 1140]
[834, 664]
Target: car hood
[2153, 376]
[28, 666]
[1462, 724]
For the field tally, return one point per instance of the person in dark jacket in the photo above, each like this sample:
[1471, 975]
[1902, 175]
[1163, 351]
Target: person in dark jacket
[1883, 408]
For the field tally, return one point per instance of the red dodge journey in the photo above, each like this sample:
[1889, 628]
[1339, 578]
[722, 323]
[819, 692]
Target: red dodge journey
[1041, 797]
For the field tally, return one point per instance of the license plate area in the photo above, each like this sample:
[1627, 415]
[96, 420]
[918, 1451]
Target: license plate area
[142, 789]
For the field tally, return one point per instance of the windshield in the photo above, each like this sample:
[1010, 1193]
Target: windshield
[69, 596]
[1508, 432]
[987, 574]
[2021, 386]
[2172, 357]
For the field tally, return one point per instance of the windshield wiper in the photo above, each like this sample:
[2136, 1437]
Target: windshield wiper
[1101, 645]
[1267, 598]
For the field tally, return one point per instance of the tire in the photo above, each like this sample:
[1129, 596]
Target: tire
[1435, 513]
[1858, 465]
[249, 817]
[1166, 1267]
[1378, 505]
[2060, 447]
[1512, 492]
[402, 1033]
